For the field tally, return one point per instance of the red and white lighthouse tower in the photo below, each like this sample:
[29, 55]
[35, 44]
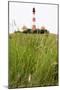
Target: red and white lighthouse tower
[33, 20]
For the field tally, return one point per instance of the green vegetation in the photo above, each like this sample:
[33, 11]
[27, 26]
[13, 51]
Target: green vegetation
[33, 60]
[39, 31]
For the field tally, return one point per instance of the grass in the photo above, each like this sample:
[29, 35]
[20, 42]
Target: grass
[33, 60]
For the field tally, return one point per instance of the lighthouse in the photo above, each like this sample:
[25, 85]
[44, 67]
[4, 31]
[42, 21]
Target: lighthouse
[33, 20]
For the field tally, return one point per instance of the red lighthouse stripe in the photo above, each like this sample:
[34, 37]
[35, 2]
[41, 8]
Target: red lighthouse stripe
[33, 19]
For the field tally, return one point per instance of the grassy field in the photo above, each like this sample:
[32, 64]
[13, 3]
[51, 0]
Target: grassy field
[33, 60]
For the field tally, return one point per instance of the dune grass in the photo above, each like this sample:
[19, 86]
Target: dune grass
[33, 60]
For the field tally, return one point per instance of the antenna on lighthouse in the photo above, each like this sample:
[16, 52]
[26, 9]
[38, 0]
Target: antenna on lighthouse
[14, 25]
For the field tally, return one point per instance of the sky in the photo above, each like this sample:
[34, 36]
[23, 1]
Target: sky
[20, 14]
